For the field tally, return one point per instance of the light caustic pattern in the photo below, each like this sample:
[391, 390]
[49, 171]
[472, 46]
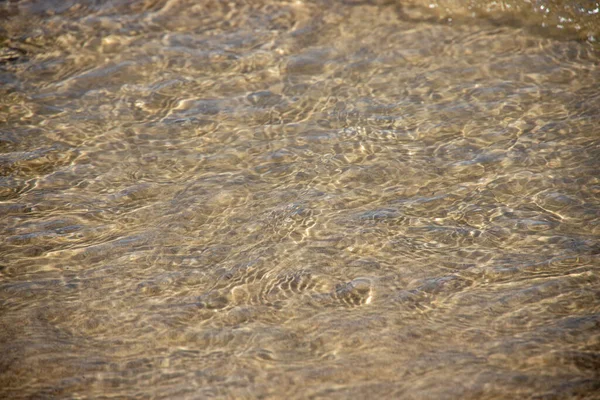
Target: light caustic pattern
[304, 199]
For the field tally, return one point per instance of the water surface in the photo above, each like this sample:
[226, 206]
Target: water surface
[303, 199]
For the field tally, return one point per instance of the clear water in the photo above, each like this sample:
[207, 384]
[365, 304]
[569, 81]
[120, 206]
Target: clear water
[303, 199]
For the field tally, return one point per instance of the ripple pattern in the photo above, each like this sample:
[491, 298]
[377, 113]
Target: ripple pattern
[299, 199]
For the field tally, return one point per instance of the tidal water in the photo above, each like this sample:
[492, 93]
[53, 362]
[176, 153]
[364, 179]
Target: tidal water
[299, 199]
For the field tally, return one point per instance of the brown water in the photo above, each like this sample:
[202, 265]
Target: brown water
[298, 200]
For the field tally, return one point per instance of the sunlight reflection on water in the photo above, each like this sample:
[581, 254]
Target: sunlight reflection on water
[299, 199]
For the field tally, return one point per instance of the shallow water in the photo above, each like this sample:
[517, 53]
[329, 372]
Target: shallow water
[298, 199]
